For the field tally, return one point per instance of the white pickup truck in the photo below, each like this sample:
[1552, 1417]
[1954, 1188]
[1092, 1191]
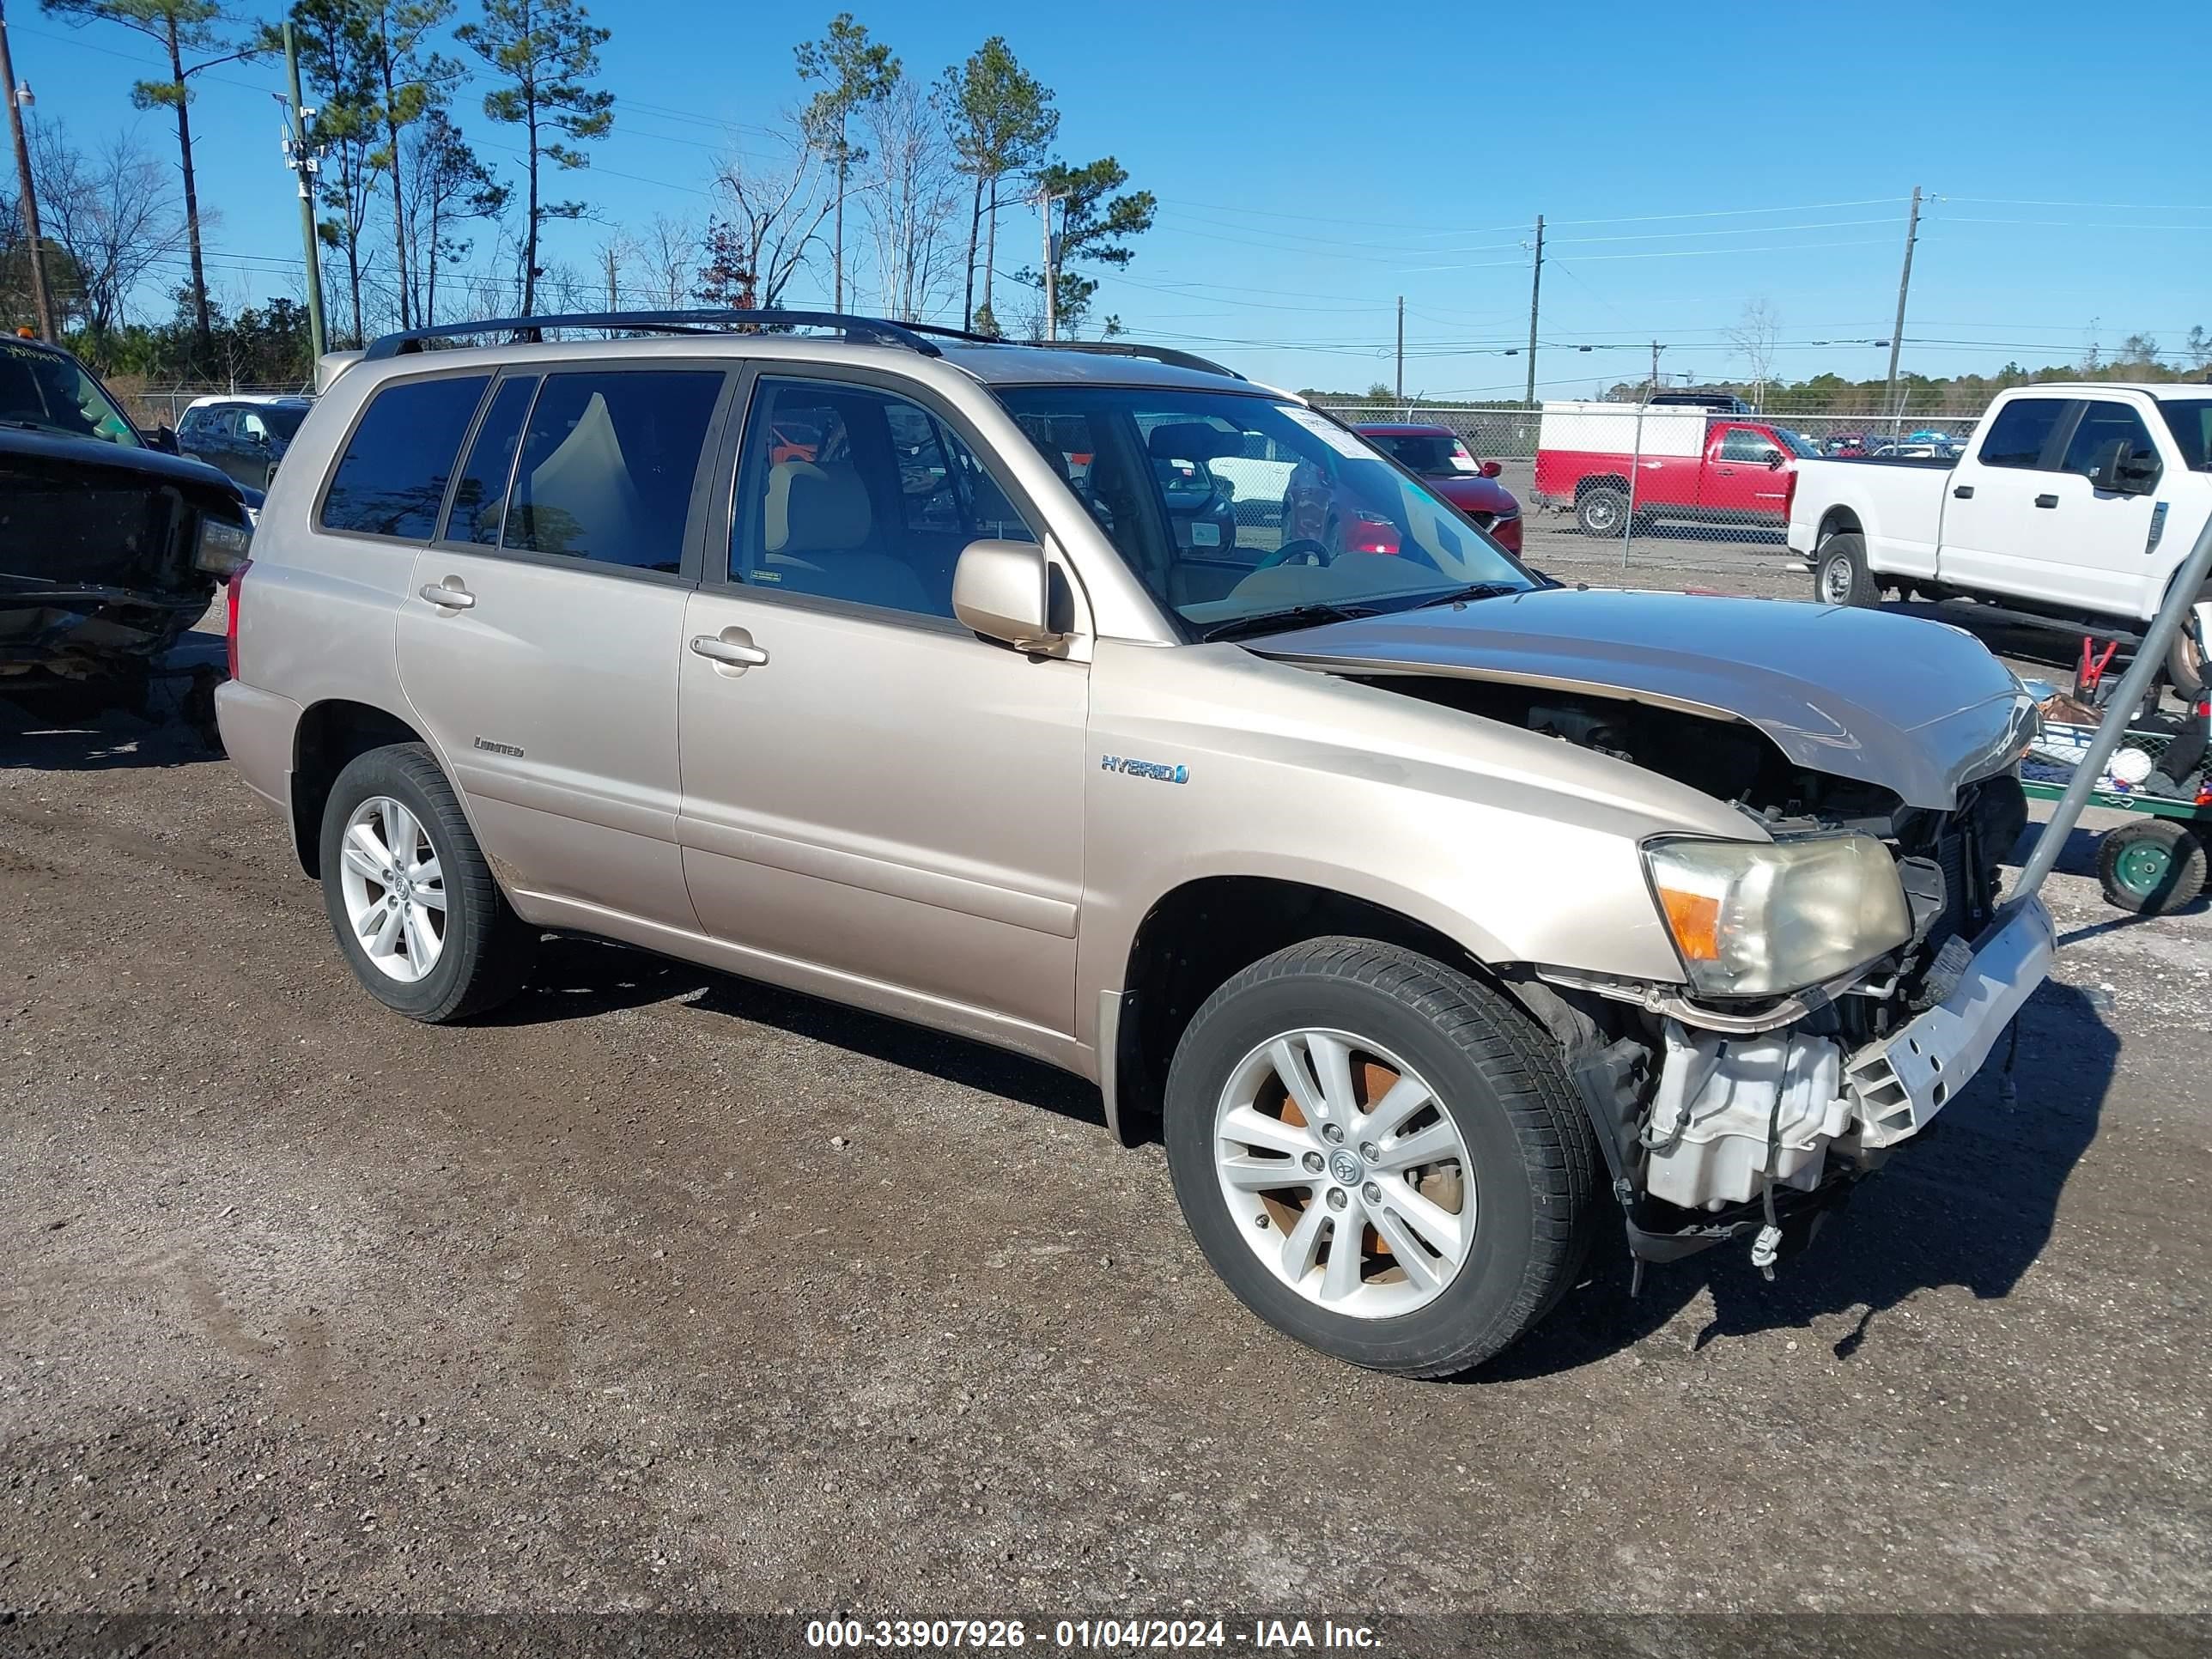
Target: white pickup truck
[2077, 502]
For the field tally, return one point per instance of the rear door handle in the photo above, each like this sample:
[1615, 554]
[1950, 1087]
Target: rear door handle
[448, 595]
[2047, 501]
[737, 653]
[1964, 492]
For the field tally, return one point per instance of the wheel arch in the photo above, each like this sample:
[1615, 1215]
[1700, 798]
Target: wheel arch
[330, 734]
[1197, 936]
[1594, 481]
[1837, 520]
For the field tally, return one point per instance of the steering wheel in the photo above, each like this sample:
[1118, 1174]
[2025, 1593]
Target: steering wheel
[1303, 546]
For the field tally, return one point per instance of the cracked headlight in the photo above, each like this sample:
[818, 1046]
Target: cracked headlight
[1762, 918]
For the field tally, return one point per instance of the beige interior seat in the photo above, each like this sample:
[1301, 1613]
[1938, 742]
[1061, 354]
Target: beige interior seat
[818, 530]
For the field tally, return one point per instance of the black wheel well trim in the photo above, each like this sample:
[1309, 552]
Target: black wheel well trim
[1837, 521]
[1591, 483]
[330, 734]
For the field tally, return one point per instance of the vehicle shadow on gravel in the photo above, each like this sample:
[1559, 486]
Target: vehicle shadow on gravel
[39, 734]
[1972, 1203]
[578, 978]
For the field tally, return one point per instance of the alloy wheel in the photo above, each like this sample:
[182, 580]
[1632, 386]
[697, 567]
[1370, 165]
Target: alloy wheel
[1347, 1178]
[394, 889]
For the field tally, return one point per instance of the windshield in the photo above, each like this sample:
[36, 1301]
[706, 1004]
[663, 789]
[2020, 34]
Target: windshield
[1431, 454]
[52, 393]
[1796, 442]
[2191, 421]
[1232, 507]
[282, 420]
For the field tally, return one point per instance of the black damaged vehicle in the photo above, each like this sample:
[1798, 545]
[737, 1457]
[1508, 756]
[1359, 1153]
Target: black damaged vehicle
[111, 546]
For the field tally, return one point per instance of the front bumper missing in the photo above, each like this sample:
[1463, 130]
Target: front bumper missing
[1899, 1082]
[1744, 1126]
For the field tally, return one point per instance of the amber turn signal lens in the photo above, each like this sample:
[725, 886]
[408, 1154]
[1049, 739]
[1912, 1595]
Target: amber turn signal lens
[1694, 919]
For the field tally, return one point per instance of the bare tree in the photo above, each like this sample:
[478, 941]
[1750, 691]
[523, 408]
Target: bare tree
[913, 201]
[668, 255]
[766, 219]
[110, 212]
[447, 188]
[1756, 336]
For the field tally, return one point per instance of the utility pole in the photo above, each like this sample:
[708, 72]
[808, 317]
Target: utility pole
[1655, 373]
[613, 302]
[1401, 348]
[304, 157]
[1051, 268]
[1897, 334]
[41, 302]
[1536, 293]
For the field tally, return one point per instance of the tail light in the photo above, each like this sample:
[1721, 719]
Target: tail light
[1367, 535]
[1789, 494]
[230, 616]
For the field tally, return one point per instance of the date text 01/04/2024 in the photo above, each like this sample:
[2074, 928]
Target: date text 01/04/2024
[1098, 1634]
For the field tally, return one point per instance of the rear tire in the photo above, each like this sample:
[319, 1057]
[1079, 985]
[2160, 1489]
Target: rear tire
[1522, 1200]
[1601, 510]
[2151, 866]
[1841, 576]
[483, 950]
[2186, 666]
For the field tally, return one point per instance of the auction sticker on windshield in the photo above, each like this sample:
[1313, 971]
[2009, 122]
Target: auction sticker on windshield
[1344, 443]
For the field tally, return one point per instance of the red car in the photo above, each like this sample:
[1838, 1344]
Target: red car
[1447, 466]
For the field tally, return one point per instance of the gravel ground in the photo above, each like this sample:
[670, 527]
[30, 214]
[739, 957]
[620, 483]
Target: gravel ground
[663, 1290]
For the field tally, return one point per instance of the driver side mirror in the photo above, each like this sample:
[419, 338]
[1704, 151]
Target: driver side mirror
[1774, 461]
[1003, 590]
[163, 438]
[1490, 469]
[2124, 472]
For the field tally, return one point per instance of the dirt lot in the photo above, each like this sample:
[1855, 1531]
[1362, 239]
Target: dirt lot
[663, 1290]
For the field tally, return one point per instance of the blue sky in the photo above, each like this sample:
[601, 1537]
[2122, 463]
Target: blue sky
[1314, 162]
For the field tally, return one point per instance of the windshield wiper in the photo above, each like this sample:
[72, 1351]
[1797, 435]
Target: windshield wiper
[1270, 621]
[1474, 591]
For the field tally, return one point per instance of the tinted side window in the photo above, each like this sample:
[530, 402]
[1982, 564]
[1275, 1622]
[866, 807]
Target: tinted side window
[480, 498]
[2103, 428]
[1742, 444]
[2018, 435]
[855, 494]
[392, 479]
[608, 462]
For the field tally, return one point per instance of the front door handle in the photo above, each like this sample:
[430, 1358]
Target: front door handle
[1964, 492]
[733, 648]
[2047, 501]
[448, 595]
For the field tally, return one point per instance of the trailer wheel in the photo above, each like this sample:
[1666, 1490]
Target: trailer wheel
[2151, 866]
[1600, 510]
[1841, 576]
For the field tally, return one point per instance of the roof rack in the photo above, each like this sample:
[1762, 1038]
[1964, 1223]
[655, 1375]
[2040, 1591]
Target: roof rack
[1167, 355]
[872, 330]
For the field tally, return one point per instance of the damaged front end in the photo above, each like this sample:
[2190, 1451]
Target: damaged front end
[1845, 969]
[107, 555]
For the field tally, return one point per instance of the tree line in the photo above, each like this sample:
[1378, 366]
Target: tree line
[888, 193]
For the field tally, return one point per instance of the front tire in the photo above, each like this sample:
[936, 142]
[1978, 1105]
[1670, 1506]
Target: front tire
[1841, 576]
[1381, 1156]
[418, 917]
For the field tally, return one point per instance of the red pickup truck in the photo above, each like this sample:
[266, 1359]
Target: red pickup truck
[1686, 464]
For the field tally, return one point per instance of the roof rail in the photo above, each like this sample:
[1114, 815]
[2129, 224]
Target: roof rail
[872, 330]
[1167, 355]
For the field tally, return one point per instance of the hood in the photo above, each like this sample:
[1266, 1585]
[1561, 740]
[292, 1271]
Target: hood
[1470, 492]
[1918, 707]
[110, 463]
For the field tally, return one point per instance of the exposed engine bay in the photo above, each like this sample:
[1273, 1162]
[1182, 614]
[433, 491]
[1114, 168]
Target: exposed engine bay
[1723, 1108]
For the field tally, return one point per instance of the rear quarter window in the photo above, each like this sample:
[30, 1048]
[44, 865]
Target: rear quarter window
[391, 480]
